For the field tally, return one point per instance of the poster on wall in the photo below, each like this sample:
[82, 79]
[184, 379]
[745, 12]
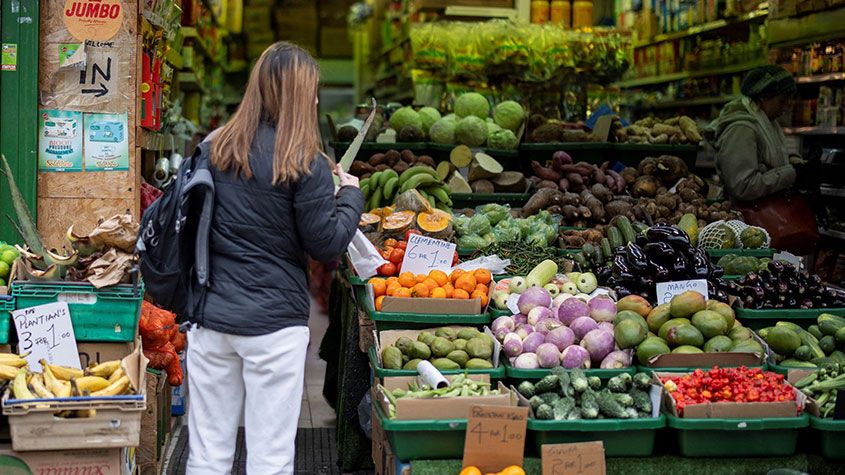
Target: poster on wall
[106, 142]
[97, 20]
[60, 141]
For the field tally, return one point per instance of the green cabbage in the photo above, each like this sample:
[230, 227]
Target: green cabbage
[428, 115]
[404, 117]
[471, 241]
[479, 224]
[494, 212]
[509, 115]
[443, 131]
[503, 139]
[471, 131]
[472, 104]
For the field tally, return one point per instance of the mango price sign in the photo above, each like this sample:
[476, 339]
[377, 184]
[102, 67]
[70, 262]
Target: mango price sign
[667, 290]
[425, 254]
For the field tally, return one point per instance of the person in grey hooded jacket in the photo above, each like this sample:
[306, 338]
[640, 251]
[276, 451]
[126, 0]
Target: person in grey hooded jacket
[751, 155]
[275, 205]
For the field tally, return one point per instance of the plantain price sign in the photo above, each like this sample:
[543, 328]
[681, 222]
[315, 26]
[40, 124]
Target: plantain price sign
[46, 332]
[495, 437]
[425, 254]
[585, 458]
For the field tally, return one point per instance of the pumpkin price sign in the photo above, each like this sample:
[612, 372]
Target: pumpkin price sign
[425, 254]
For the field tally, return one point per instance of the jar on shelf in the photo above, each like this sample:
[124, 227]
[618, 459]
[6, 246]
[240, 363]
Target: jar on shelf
[561, 13]
[540, 11]
[582, 13]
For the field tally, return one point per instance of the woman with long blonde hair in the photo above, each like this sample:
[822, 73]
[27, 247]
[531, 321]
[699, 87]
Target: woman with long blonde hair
[275, 205]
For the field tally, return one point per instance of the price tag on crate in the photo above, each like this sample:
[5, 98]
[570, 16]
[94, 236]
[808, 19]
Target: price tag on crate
[585, 458]
[667, 290]
[495, 437]
[425, 254]
[46, 333]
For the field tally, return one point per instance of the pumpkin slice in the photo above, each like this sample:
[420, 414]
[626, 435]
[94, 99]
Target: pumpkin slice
[369, 220]
[398, 222]
[412, 200]
[436, 223]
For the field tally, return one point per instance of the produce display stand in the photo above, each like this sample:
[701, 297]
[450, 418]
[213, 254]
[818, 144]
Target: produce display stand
[737, 437]
[590, 152]
[762, 318]
[414, 440]
[621, 438]
[517, 374]
[6, 306]
[409, 321]
[633, 154]
[830, 437]
[380, 372]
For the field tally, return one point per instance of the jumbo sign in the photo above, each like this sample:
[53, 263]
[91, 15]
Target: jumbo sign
[97, 20]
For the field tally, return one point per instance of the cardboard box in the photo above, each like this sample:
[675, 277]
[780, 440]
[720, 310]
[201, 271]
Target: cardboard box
[409, 409]
[92, 461]
[431, 306]
[389, 337]
[731, 410]
[155, 422]
[115, 422]
[100, 352]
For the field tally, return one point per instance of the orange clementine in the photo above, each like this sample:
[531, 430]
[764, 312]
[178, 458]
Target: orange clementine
[471, 470]
[379, 300]
[480, 295]
[466, 282]
[460, 294]
[392, 288]
[420, 278]
[379, 286]
[391, 280]
[439, 276]
[512, 470]
[407, 280]
[431, 284]
[403, 292]
[449, 290]
[420, 290]
[438, 293]
[455, 274]
[480, 288]
[482, 276]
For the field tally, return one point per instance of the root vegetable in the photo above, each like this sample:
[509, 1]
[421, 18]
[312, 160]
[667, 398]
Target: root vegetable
[690, 129]
[544, 172]
[425, 160]
[559, 159]
[670, 169]
[575, 179]
[392, 157]
[482, 186]
[458, 185]
[660, 129]
[554, 209]
[408, 156]
[601, 192]
[646, 185]
[648, 166]
[400, 167]
[563, 184]
[461, 156]
[618, 182]
[570, 212]
[359, 168]
[547, 184]
[381, 167]
[378, 159]
[598, 176]
[660, 139]
[571, 199]
[510, 182]
[544, 198]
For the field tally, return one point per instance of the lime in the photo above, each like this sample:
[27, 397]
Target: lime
[2, 283]
[8, 257]
[4, 270]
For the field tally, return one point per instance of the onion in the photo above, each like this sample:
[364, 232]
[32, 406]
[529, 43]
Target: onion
[583, 325]
[571, 309]
[575, 357]
[533, 297]
[602, 308]
[526, 361]
[561, 337]
[532, 341]
[598, 343]
[548, 356]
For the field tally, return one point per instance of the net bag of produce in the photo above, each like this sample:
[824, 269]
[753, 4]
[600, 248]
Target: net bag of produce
[733, 234]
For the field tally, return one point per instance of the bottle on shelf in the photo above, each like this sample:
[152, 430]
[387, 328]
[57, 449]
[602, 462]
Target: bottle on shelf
[561, 13]
[540, 11]
[582, 13]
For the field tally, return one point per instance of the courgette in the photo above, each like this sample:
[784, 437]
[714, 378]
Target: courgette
[589, 252]
[607, 253]
[615, 237]
[807, 339]
[839, 357]
[624, 225]
[581, 260]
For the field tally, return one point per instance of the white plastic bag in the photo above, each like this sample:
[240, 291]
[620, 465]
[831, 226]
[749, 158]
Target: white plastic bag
[364, 257]
[492, 263]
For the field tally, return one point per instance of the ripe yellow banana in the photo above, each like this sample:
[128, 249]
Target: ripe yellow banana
[60, 388]
[63, 372]
[19, 386]
[8, 372]
[119, 373]
[40, 390]
[103, 370]
[11, 359]
[115, 389]
[90, 383]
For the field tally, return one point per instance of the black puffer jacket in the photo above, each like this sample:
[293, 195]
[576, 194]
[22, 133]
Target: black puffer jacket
[260, 239]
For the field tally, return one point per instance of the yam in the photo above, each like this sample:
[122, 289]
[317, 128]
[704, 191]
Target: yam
[444, 169]
[381, 167]
[601, 192]
[618, 182]
[648, 166]
[458, 184]
[544, 198]
[545, 173]
[461, 156]
[426, 160]
[510, 182]
[570, 212]
[408, 156]
[392, 157]
[377, 159]
[690, 129]
[646, 185]
[546, 133]
[482, 186]
[673, 121]
[617, 208]
[554, 209]
[570, 199]
[563, 184]
[660, 139]
[400, 167]
[630, 175]
[547, 184]
[360, 168]
[660, 129]
[484, 167]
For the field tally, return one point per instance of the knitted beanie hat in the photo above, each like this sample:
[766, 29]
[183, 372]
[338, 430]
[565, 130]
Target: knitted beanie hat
[768, 80]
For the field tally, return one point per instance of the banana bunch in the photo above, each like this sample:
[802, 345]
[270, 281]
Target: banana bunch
[104, 379]
[382, 188]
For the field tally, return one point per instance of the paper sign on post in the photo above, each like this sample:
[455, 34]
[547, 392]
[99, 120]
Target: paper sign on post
[667, 290]
[425, 254]
[495, 437]
[46, 333]
[582, 458]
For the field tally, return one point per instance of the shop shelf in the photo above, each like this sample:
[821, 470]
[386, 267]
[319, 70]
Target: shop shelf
[704, 28]
[756, 319]
[632, 154]
[106, 315]
[424, 439]
[737, 437]
[536, 374]
[621, 438]
[410, 321]
[370, 148]
[495, 373]
[590, 152]
[831, 437]
[471, 200]
[6, 306]
[717, 253]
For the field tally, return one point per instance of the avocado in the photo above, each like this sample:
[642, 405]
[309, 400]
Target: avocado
[420, 350]
[685, 334]
[468, 333]
[441, 347]
[649, 348]
[445, 364]
[447, 333]
[391, 357]
[478, 363]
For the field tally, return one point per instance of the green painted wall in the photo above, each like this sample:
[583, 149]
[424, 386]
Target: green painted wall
[19, 107]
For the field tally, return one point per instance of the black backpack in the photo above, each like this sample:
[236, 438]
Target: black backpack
[173, 239]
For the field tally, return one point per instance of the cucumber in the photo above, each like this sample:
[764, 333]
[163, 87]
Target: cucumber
[541, 274]
[797, 364]
[615, 237]
[639, 227]
[589, 252]
[597, 256]
[838, 356]
[624, 225]
[814, 330]
[807, 338]
[581, 261]
[607, 252]
[828, 327]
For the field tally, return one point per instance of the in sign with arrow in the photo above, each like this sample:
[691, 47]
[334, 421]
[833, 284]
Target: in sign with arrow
[97, 70]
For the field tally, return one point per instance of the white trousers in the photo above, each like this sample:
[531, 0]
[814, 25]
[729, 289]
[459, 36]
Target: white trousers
[261, 376]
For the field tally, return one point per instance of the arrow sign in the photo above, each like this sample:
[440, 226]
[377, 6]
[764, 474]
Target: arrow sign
[102, 91]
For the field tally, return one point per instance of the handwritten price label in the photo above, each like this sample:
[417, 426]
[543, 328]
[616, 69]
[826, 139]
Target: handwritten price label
[495, 437]
[582, 458]
[46, 333]
[667, 290]
[425, 254]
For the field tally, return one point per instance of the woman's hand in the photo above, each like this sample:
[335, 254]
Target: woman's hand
[345, 178]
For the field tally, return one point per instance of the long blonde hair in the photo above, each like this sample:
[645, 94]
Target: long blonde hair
[282, 89]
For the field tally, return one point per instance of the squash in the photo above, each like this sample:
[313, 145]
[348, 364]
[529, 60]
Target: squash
[398, 222]
[412, 200]
[436, 223]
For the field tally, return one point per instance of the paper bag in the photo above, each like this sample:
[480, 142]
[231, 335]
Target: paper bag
[363, 256]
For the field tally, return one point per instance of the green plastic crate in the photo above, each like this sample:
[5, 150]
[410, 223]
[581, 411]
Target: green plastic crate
[471, 200]
[717, 253]
[784, 370]
[425, 439]
[757, 319]
[831, 437]
[6, 306]
[621, 437]
[680, 369]
[737, 437]
[104, 315]
[411, 321]
[535, 374]
[354, 280]
[495, 373]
